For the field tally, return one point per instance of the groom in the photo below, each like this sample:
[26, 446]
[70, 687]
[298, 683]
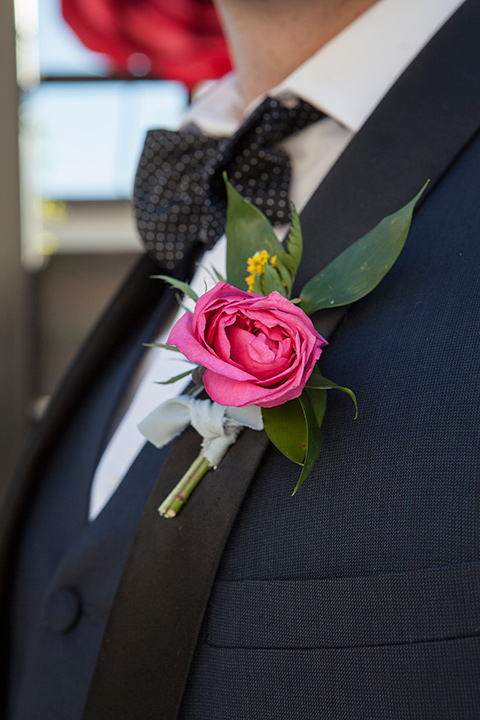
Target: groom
[357, 598]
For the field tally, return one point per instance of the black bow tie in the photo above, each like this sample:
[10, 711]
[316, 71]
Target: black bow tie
[179, 195]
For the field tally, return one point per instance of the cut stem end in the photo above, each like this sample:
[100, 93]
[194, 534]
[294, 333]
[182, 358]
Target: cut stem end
[174, 502]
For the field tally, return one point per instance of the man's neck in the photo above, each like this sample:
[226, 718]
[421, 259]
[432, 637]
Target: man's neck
[269, 39]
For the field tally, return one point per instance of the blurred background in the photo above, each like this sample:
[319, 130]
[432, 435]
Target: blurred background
[81, 81]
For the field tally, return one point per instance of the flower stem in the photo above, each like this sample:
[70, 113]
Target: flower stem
[172, 504]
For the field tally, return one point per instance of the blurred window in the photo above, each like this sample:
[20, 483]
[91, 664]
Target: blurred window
[82, 132]
[88, 135]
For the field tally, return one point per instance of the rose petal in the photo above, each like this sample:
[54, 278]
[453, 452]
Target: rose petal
[256, 350]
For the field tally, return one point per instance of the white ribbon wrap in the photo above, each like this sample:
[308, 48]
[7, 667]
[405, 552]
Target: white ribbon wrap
[219, 426]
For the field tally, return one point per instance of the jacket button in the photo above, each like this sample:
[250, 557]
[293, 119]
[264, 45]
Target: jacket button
[62, 611]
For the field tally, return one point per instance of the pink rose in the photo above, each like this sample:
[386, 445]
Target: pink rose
[256, 350]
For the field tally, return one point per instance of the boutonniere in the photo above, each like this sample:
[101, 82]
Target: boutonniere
[255, 350]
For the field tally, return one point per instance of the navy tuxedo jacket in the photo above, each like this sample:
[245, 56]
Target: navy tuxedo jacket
[359, 598]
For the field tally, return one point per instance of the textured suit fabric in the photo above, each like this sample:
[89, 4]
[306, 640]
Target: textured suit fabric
[359, 597]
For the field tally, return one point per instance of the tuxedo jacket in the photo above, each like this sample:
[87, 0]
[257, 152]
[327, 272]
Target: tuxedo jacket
[359, 597]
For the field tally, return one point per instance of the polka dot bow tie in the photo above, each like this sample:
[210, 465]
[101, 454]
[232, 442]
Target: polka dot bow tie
[179, 195]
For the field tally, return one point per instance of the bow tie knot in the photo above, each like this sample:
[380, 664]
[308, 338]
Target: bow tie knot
[179, 195]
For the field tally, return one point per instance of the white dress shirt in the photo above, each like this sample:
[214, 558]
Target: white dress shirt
[347, 79]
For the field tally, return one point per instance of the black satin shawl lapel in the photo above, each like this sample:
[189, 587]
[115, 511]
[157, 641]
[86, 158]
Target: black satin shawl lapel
[153, 627]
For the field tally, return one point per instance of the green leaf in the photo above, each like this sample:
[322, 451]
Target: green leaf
[174, 379]
[257, 285]
[219, 275]
[286, 428]
[294, 245]
[314, 439]
[318, 398]
[318, 382]
[271, 280]
[162, 345]
[210, 272]
[359, 269]
[294, 428]
[286, 277]
[182, 286]
[248, 231]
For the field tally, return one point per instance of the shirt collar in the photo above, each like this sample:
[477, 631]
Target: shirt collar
[347, 77]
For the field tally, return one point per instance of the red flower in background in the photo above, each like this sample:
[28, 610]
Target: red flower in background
[182, 39]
